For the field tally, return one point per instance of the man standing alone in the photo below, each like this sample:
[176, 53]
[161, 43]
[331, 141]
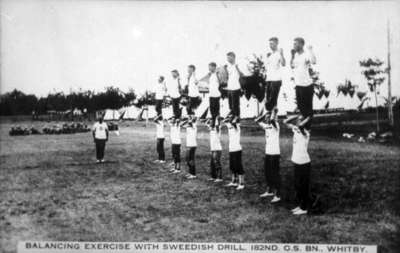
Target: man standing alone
[100, 137]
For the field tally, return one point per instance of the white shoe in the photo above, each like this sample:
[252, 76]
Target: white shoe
[176, 171]
[218, 180]
[156, 161]
[266, 194]
[190, 176]
[295, 209]
[102, 160]
[211, 179]
[161, 161]
[300, 212]
[172, 170]
[232, 184]
[240, 187]
[275, 199]
[98, 161]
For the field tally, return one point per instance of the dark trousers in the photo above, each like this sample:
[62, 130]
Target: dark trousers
[234, 102]
[193, 103]
[215, 164]
[175, 107]
[304, 99]
[302, 184]
[272, 92]
[235, 163]
[159, 106]
[272, 175]
[176, 153]
[100, 146]
[214, 107]
[190, 160]
[160, 149]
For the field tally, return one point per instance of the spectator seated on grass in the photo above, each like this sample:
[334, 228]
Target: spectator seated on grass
[18, 131]
[33, 130]
[66, 128]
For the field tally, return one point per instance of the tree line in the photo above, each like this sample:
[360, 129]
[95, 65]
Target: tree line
[17, 102]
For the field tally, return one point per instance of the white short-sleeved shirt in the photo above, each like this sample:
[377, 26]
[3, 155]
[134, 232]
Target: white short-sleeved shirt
[273, 66]
[191, 136]
[160, 130]
[214, 86]
[272, 146]
[193, 89]
[160, 90]
[215, 140]
[301, 68]
[175, 135]
[100, 130]
[233, 77]
[234, 138]
[173, 88]
[300, 145]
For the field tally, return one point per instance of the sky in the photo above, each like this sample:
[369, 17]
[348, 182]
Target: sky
[49, 45]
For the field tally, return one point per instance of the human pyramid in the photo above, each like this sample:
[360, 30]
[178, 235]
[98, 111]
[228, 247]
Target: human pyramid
[227, 79]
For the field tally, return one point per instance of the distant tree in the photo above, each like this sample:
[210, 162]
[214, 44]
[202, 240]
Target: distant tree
[148, 98]
[130, 97]
[373, 73]
[319, 86]
[17, 103]
[112, 98]
[361, 95]
[320, 90]
[347, 88]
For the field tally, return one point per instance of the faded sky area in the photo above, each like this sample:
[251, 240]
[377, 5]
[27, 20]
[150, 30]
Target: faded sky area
[51, 46]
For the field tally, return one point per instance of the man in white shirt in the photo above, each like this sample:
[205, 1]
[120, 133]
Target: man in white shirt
[160, 141]
[301, 62]
[174, 90]
[160, 91]
[235, 157]
[271, 162]
[175, 135]
[193, 91]
[214, 92]
[274, 63]
[191, 144]
[302, 165]
[100, 137]
[233, 88]
[216, 152]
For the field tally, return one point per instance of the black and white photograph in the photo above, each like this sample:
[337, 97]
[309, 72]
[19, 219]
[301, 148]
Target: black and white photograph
[199, 126]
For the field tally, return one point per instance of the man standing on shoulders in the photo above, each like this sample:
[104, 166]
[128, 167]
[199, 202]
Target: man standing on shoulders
[100, 137]
[160, 91]
[174, 90]
[233, 88]
[193, 91]
[300, 63]
[275, 60]
[214, 93]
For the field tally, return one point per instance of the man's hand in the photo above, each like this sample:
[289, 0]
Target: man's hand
[281, 51]
[309, 47]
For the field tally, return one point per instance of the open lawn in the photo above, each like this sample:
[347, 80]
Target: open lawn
[51, 189]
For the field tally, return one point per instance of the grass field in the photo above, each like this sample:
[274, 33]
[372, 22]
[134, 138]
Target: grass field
[51, 189]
